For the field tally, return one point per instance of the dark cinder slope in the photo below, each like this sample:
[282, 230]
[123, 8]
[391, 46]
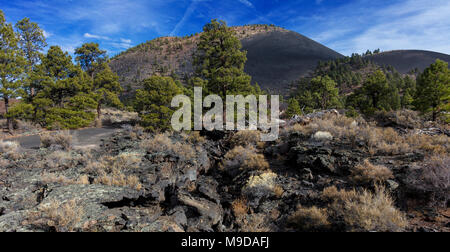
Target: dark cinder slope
[277, 58]
[407, 60]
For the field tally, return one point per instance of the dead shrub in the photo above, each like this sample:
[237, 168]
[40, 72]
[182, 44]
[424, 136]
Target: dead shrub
[309, 219]
[431, 177]
[62, 216]
[163, 143]
[244, 158]
[118, 178]
[254, 223]
[123, 161]
[6, 147]
[62, 139]
[364, 211]
[50, 178]
[60, 160]
[246, 137]
[367, 173]
[194, 137]
[240, 208]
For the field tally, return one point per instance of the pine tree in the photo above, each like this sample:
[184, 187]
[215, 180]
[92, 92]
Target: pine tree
[65, 97]
[12, 65]
[107, 89]
[376, 88]
[325, 93]
[433, 89]
[293, 108]
[220, 62]
[32, 42]
[154, 100]
[90, 57]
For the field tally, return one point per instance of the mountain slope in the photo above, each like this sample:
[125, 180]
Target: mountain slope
[276, 57]
[407, 60]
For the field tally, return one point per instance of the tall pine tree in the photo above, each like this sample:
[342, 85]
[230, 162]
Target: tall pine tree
[32, 42]
[220, 62]
[433, 90]
[12, 65]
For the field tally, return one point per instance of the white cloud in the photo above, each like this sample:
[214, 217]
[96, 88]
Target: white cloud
[246, 2]
[126, 41]
[362, 25]
[93, 36]
[47, 34]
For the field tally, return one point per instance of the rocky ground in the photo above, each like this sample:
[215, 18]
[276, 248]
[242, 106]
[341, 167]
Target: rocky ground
[325, 173]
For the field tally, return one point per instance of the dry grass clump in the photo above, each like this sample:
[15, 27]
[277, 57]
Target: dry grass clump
[163, 143]
[123, 161]
[50, 178]
[61, 138]
[10, 150]
[246, 137]
[263, 185]
[59, 160]
[194, 137]
[375, 139]
[254, 223]
[432, 177]
[62, 216]
[367, 173]
[111, 170]
[364, 211]
[405, 118]
[240, 208]
[118, 178]
[309, 219]
[6, 147]
[244, 158]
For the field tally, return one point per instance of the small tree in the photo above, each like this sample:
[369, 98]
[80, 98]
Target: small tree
[220, 62]
[32, 42]
[65, 97]
[11, 65]
[325, 92]
[90, 57]
[293, 108]
[433, 89]
[154, 100]
[107, 89]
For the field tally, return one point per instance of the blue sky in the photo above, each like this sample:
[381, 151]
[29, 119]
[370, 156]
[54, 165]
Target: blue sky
[346, 26]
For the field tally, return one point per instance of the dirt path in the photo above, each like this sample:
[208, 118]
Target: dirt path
[81, 138]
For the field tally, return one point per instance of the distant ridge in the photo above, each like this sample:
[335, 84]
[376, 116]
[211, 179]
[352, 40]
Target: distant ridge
[406, 60]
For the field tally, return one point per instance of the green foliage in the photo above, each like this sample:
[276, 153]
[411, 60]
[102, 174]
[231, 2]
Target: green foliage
[107, 89]
[318, 93]
[11, 65]
[220, 62]
[31, 41]
[64, 98]
[21, 110]
[154, 100]
[433, 90]
[90, 57]
[293, 108]
[377, 93]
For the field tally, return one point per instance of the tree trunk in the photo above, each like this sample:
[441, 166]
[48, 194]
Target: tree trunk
[99, 110]
[434, 114]
[9, 121]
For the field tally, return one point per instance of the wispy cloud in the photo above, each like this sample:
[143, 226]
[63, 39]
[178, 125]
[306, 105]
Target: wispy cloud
[92, 36]
[248, 3]
[362, 25]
